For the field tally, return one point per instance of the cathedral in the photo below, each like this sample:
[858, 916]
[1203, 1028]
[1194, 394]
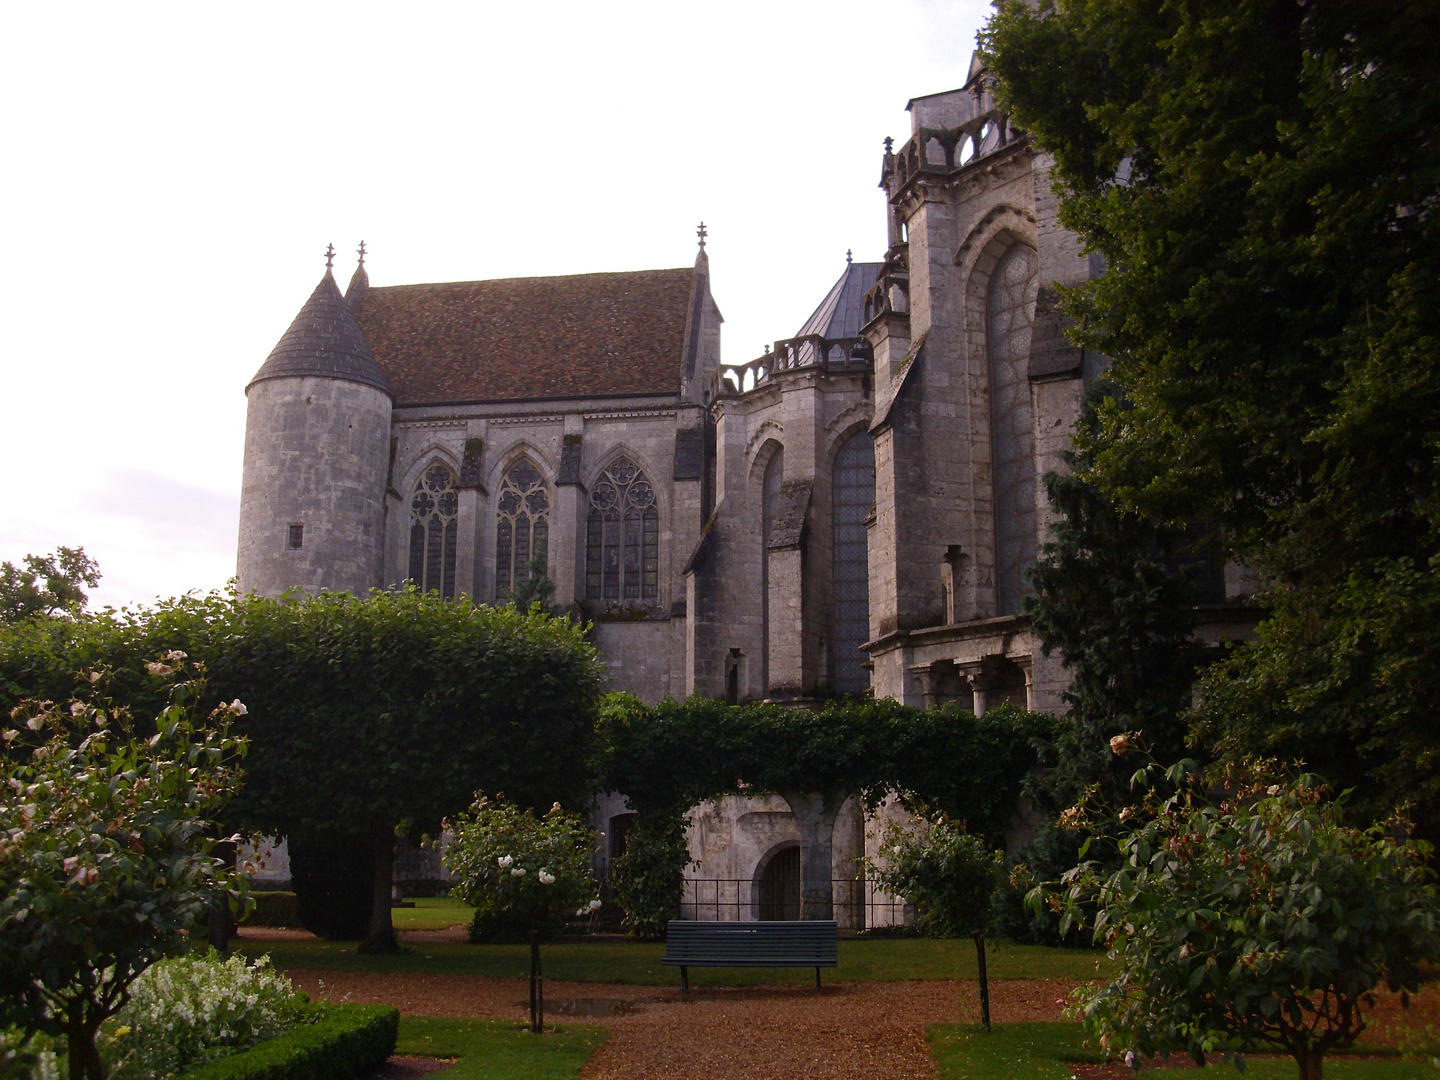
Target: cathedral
[852, 512]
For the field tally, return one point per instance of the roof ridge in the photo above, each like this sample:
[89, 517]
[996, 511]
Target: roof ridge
[542, 277]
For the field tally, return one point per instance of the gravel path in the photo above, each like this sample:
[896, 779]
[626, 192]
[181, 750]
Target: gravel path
[874, 1030]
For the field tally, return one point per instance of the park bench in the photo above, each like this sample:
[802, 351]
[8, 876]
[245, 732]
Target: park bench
[749, 944]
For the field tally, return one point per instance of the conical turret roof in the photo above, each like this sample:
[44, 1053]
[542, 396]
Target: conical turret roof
[842, 312]
[325, 342]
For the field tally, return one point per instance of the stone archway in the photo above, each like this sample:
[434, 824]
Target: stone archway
[776, 886]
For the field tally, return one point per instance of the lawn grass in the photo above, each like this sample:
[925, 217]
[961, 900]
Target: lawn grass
[1047, 1051]
[432, 913]
[884, 960]
[500, 1049]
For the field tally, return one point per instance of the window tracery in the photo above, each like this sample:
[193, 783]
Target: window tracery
[434, 504]
[853, 489]
[622, 536]
[1010, 314]
[522, 524]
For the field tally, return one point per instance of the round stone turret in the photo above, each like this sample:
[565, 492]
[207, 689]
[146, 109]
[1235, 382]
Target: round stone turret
[317, 455]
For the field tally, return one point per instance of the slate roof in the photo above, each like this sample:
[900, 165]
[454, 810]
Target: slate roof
[523, 338]
[842, 312]
[323, 340]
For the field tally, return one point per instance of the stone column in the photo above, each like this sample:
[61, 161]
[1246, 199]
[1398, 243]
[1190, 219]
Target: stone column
[815, 814]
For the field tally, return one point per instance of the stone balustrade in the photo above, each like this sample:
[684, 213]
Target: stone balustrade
[791, 354]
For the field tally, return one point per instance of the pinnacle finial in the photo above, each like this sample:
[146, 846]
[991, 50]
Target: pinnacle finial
[889, 145]
[361, 250]
[700, 232]
[329, 256]
[849, 258]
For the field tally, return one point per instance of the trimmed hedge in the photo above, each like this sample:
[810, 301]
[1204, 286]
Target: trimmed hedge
[272, 908]
[346, 1041]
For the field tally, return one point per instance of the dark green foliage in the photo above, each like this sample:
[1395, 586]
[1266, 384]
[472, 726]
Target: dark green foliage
[46, 584]
[330, 873]
[509, 928]
[346, 1041]
[272, 908]
[949, 874]
[363, 713]
[671, 756]
[1274, 259]
[647, 877]
[534, 588]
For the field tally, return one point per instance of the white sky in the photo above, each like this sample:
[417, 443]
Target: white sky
[172, 173]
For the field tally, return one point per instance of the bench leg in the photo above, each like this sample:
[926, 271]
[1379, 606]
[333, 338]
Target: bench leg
[817, 980]
[684, 980]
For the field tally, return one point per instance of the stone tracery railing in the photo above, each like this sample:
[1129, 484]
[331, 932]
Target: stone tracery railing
[790, 354]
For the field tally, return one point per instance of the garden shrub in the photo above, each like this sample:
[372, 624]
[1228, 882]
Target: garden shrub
[192, 1009]
[273, 908]
[333, 878]
[344, 1042]
[27, 1059]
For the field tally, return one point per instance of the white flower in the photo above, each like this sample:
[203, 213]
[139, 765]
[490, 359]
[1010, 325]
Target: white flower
[174, 655]
[1132, 1060]
[547, 878]
[155, 667]
[594, 905]
[505, 862]
[1119, 744]
[519, 871]
[76, 708]
[237, 708]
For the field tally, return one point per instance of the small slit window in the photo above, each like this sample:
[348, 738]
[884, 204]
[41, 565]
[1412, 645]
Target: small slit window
[295, 540]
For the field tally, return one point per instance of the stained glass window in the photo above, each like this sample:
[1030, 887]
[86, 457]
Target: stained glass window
[853, 495]
[433, 506]
[622, 536]
[522, 524]
[1009, 317]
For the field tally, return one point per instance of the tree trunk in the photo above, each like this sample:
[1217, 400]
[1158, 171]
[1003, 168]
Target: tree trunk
[537, 986]
[815, 814]
[221, 927]
[81, 1027]
[983, 980]
[381, 938]
[1311, 1062]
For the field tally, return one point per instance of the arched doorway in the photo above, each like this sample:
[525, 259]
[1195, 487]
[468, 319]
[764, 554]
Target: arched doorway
[777, 887]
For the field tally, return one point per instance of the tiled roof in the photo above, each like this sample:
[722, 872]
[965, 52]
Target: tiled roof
[324, 340]
[842, 312]
[516, 338]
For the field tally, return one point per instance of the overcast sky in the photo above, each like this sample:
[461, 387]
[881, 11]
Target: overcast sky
[173, 173]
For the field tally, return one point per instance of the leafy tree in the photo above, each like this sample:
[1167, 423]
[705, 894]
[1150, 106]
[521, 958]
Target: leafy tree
[45, 584]
[508, 862]
[1261, 178]
[371, 715]
[366, 715]
[1260, 920]
[950, 875]
[107, 858]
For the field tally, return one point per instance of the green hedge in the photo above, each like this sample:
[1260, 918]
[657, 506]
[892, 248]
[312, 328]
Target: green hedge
[272, 909]
[346, 1041]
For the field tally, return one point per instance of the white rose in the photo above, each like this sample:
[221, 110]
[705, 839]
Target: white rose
[547, 878]
[519, 871]
[505, 861]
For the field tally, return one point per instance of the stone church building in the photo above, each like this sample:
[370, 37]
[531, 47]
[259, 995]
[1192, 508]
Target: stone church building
[852, 512]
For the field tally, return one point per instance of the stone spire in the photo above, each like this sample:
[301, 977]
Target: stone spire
[359, 281]
[324, 342]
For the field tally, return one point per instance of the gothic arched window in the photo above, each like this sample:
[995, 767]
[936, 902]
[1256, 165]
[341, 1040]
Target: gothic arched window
[622, 536]
[769, 507]
[1010, 313]
[522, 525]
[432, 531]
[853, 495]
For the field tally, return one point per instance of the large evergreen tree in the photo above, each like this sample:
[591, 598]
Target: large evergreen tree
[1263, 179]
